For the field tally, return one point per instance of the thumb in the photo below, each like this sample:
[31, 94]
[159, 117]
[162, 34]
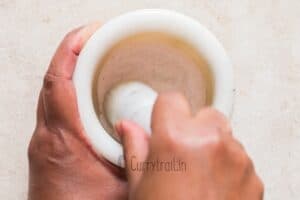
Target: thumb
[135, 145]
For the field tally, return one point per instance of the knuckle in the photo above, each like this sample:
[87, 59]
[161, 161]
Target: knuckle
[171, 141]
[48, 146]
[215, 116]
[215, 143]
[31, 150]
[172, 145]
[243, 161]
[209, 111]
[48, 81]
[33, 147]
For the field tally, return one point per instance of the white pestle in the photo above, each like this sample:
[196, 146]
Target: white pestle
[132, 101]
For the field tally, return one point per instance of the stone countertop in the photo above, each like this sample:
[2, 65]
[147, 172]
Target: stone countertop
[262, 38]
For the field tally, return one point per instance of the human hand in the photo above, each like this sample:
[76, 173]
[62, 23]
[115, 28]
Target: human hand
[62, 165]
[208, 163]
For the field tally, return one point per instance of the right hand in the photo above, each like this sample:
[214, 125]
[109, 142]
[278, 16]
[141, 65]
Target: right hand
[214, 165]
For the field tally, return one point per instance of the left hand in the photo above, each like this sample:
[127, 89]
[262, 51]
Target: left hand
[62, 164]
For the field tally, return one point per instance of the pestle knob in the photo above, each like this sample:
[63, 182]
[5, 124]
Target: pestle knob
[132, 101]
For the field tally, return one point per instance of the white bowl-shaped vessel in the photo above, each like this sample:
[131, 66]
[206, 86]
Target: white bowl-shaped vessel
[148, 20]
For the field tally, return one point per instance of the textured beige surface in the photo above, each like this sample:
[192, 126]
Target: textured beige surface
[262, 38]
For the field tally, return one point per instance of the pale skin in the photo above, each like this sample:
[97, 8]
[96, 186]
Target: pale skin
[63, 166]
